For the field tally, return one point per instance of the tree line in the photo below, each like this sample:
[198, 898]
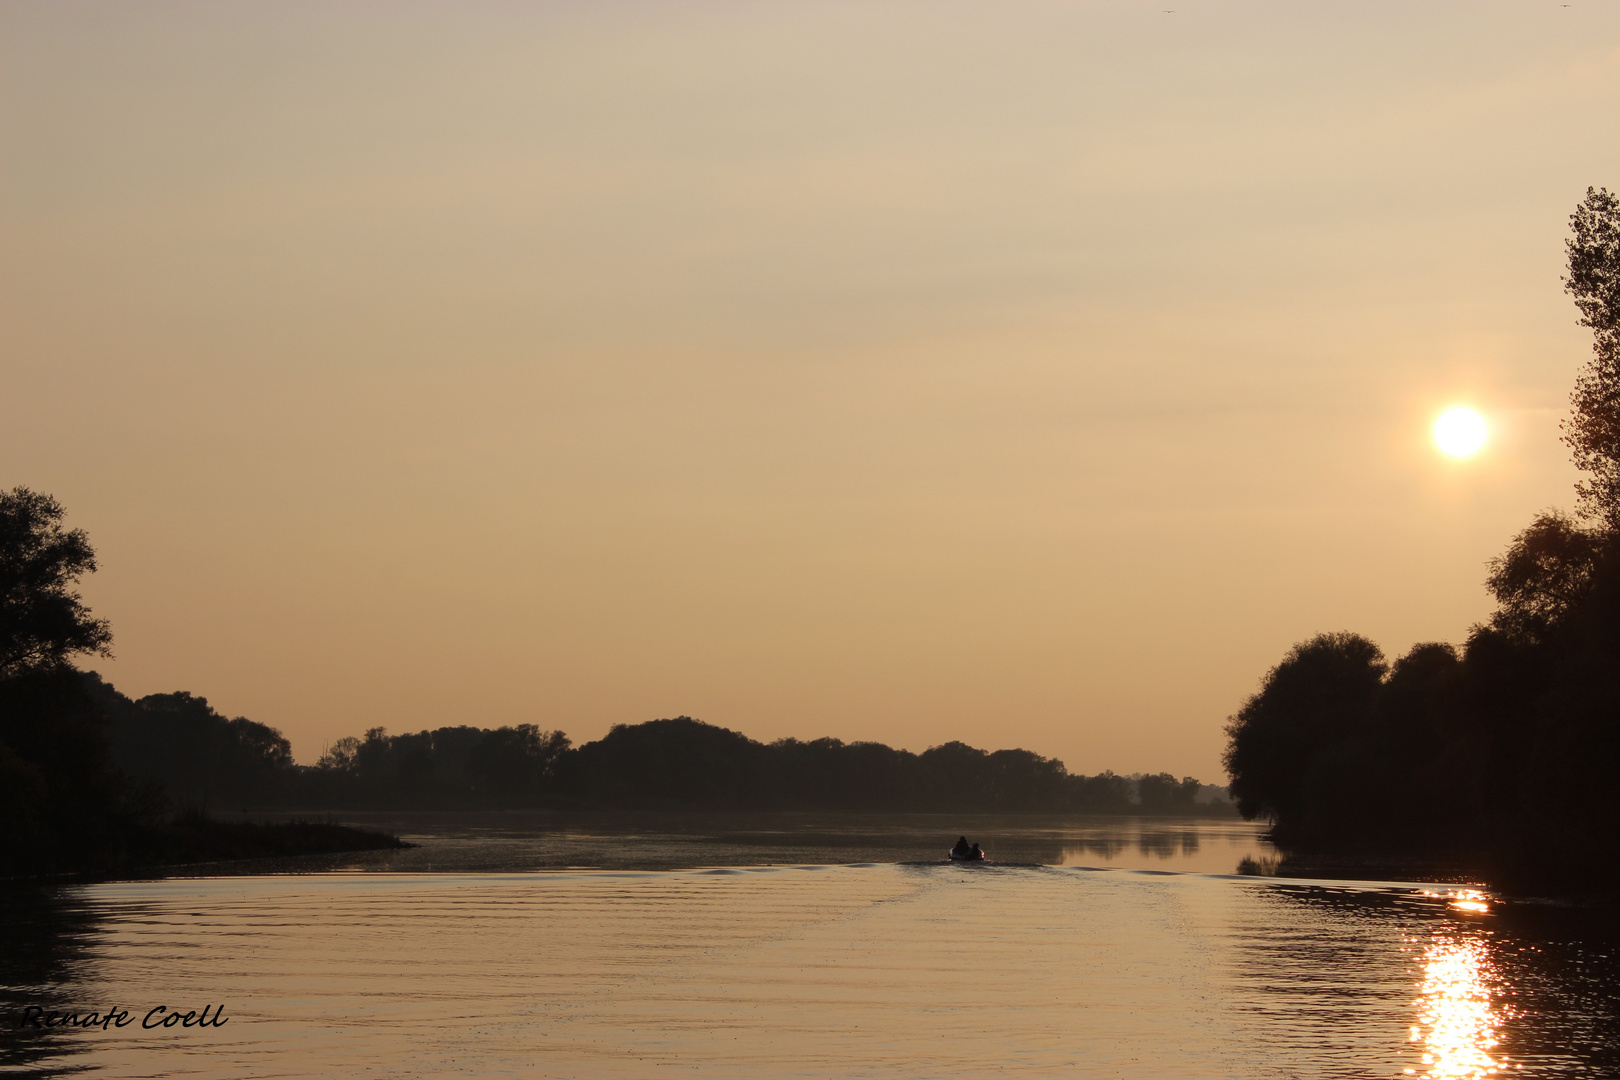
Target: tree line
[93, 779]
[1506, 750]
[179, 744]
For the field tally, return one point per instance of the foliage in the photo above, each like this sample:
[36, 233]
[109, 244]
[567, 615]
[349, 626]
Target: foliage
[187, 754]
[1593, 429]
[1505, 753]
[1162, 793]
[43, 621]
[59, 799]
[1543, 575]
[1309, 710]
[61, 802]
[198, 757]
[681, 763]
[444, 767]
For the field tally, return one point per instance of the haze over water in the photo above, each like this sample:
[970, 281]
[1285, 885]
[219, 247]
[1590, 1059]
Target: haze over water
[896, 969]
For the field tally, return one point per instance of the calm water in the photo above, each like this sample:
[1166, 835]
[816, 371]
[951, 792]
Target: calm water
[516, 841]
[886, 968]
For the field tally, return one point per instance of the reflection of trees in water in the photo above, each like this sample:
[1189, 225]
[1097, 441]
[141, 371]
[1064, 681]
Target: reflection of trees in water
[1157, 843]
[45, 937]
[1107, 847]
[1165, 845]
[1454, 995]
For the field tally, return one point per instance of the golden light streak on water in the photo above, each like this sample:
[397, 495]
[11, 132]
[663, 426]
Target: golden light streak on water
[1470, 900]
[1459, 1025]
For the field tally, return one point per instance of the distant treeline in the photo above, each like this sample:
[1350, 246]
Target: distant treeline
[179, 745]
[1508, 750]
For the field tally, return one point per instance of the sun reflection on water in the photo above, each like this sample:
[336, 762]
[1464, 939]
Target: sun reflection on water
[1472, 900]
[1458, 1025]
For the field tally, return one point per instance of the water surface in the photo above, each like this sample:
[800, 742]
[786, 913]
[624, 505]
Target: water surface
[503, 841]
[880, 969]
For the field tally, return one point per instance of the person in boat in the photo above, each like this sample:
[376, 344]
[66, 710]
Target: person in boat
[975, 853]
[961, 850]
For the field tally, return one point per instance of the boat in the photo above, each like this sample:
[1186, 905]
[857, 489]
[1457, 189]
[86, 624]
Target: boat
[971, 856]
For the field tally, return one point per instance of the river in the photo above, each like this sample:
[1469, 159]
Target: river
[1129, 950]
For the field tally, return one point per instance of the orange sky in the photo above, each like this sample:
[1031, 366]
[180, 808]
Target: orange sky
[1032, 375]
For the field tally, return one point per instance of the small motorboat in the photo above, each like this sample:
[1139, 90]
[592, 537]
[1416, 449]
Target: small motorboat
[965, 856]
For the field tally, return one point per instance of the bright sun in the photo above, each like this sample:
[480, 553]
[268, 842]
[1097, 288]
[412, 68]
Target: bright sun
[1459, 432]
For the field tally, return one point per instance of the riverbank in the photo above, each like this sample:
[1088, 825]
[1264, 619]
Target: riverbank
[194, 838]
[197, 838]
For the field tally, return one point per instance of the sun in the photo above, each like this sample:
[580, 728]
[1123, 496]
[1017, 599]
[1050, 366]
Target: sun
[1459, 432]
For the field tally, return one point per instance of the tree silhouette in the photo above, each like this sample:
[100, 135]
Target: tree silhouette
[1543, 575]
[1593, 431]
[43, 621]
[1295, 731]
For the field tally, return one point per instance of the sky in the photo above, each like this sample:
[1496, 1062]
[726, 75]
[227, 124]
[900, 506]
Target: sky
[1030, 374]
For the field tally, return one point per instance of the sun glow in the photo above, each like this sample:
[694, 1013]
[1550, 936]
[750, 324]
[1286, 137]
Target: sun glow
[1459, 432]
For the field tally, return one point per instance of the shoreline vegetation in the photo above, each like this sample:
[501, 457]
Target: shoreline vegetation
[1503, 754]
[136, 785]
[70, 811]
[93, 782]
[67, 809]
[178, 743]
[183, 782]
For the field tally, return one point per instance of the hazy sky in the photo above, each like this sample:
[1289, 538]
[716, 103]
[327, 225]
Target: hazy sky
[1026, 374]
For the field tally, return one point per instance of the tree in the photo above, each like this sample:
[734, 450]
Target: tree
[43, 621]
[58, 791]
[516, 761]
[198, 756]
[1543, 576]
[1593, 431]
[670, 763]
[341, 755]
[1310, 707]
[1162, 793]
